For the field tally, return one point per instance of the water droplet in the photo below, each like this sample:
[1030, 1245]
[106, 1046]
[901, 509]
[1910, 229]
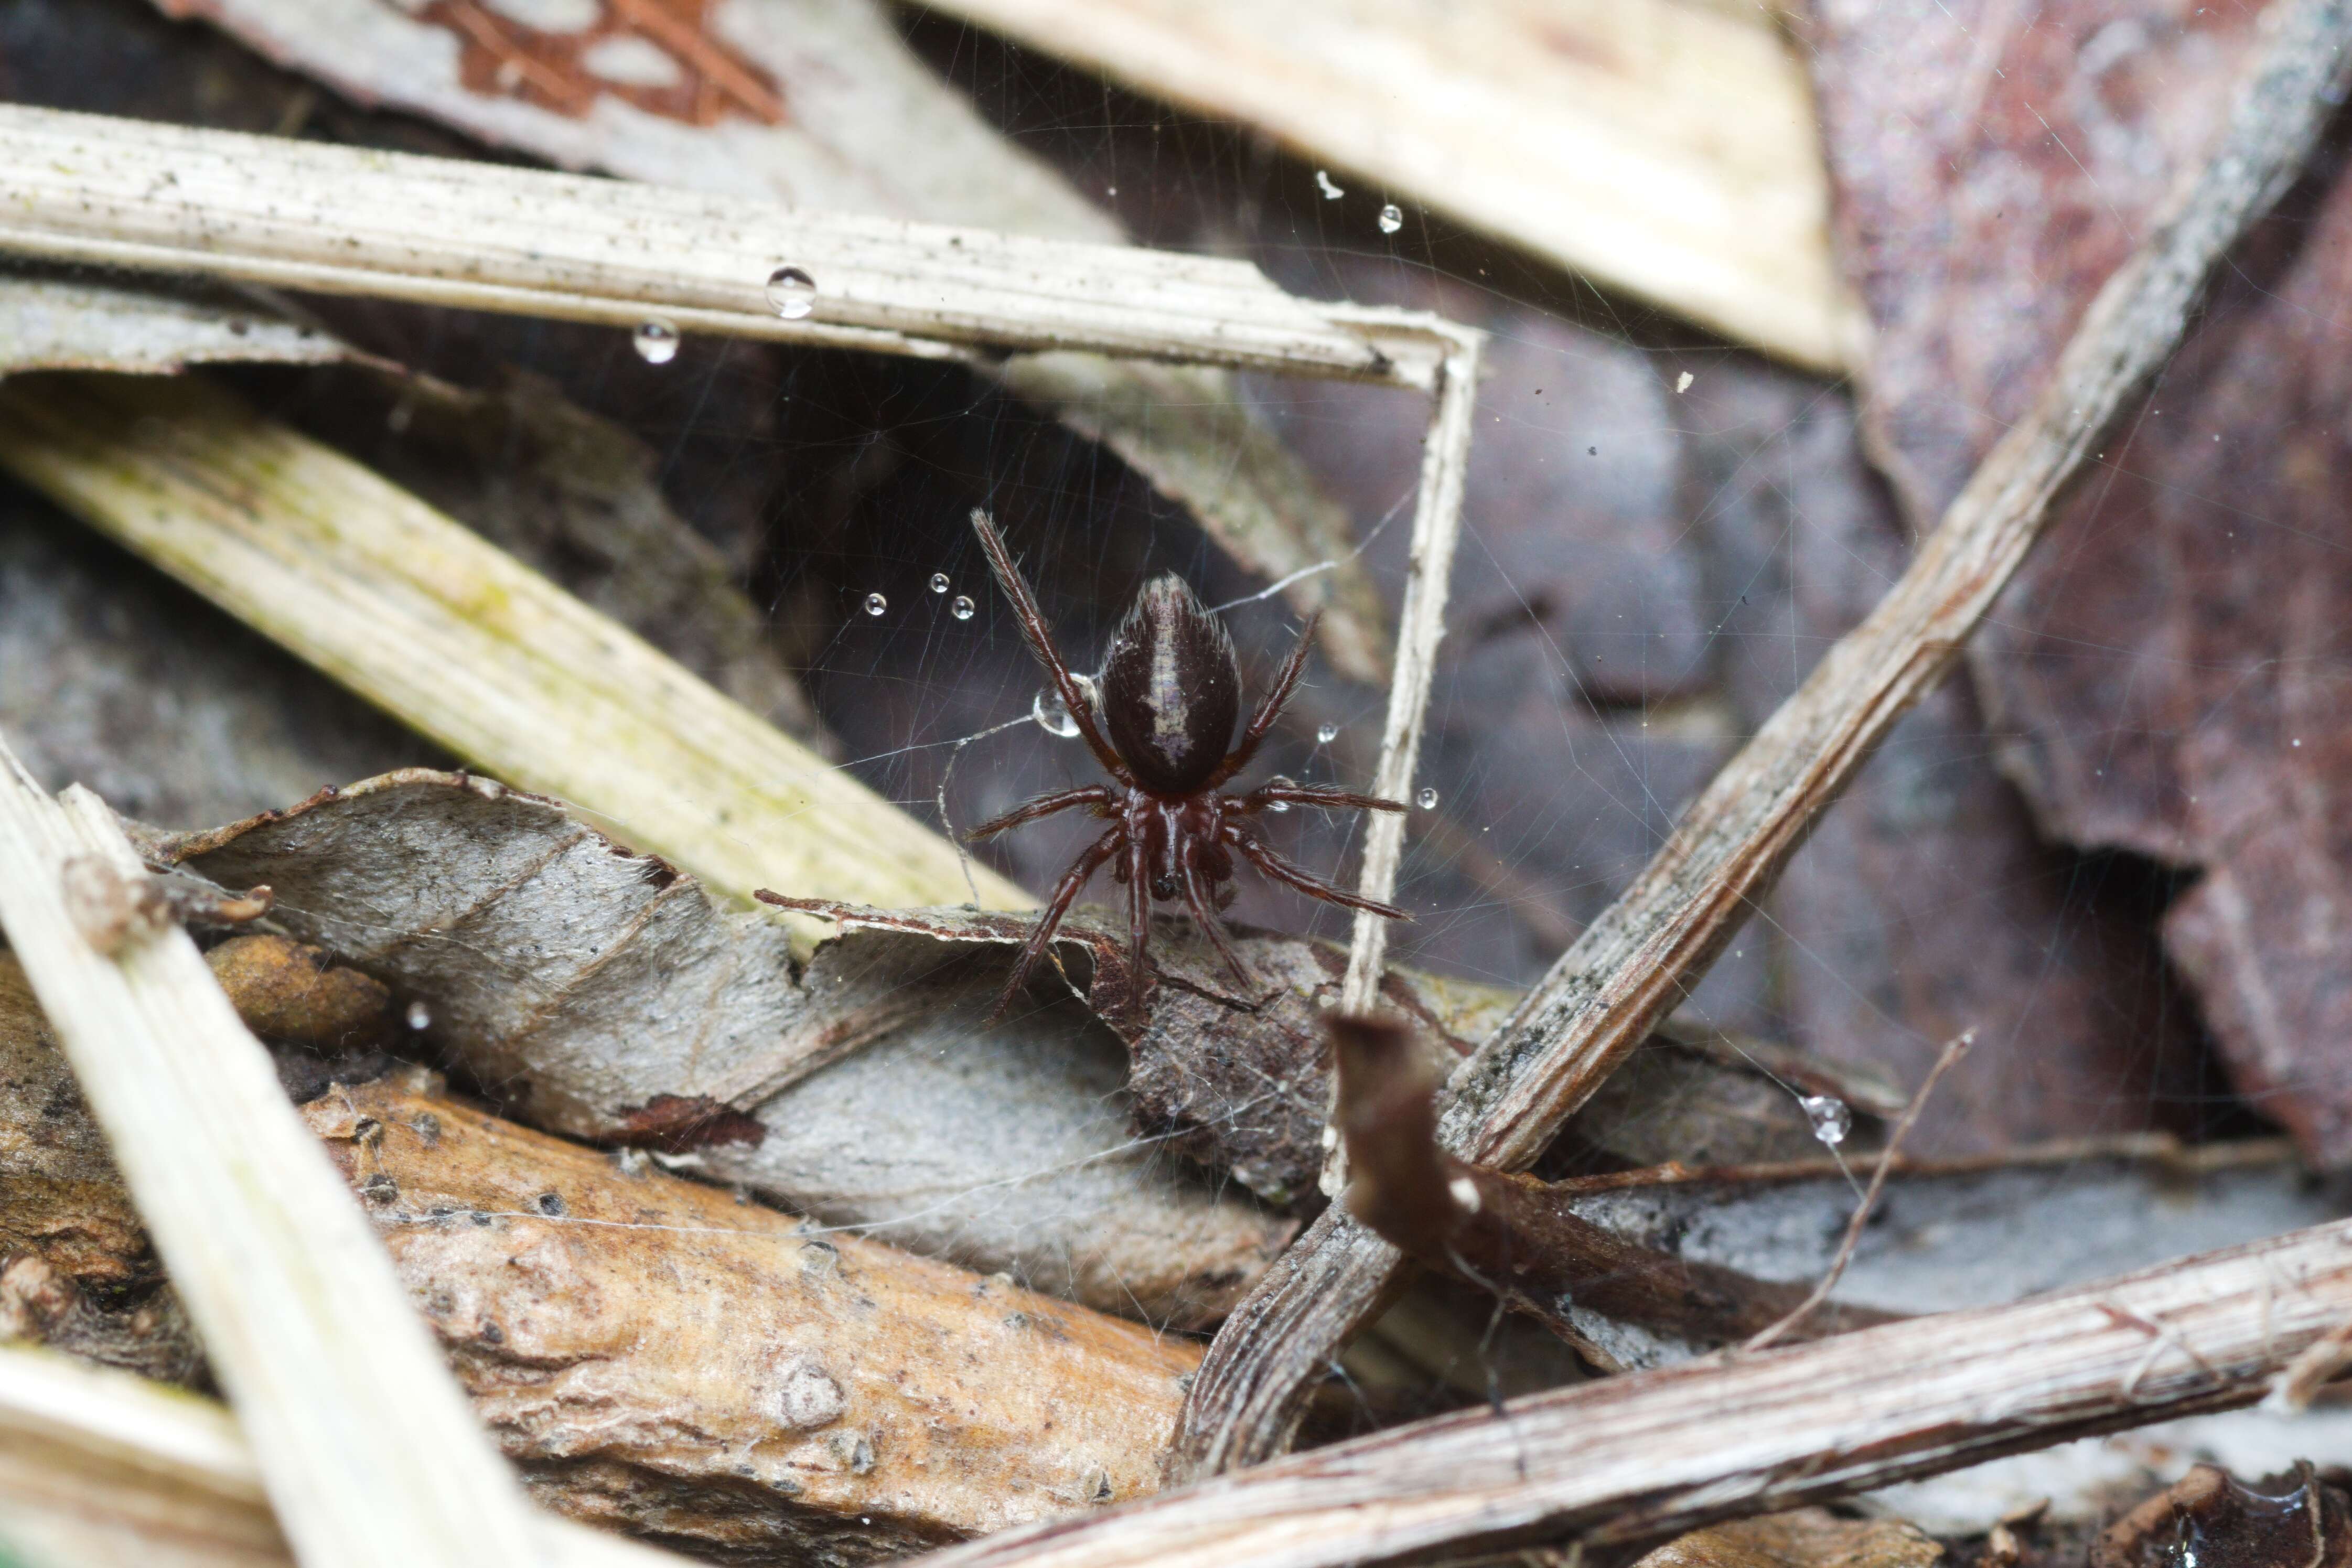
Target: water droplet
[1328, 734]
[1832, 1118]
[1391, 218]
[420, 1018]
[939, 581]
[1053, 715]
[1332, 192]
[876, 604]
[1277, 805]
[1683, 382]
[1426, 799]
[792, 293]
[962, 607]
[655, 340]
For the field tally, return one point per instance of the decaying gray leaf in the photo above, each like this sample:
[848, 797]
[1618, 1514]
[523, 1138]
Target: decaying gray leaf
[50, 320]
[1962, 1233]
[599, 993]
[819, 104]
[1802, 1538]
[1237, 1077]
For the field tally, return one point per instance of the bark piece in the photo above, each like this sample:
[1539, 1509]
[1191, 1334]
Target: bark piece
[660, 1357]
[657, 1355]
[819, 104]
[2159, 670]
[601, 995]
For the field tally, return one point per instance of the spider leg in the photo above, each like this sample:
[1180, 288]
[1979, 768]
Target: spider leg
[1065, 894]
[1197, 901]
[1041, 643]
[1262, 856]
[1277, 698]
[1138, 913]
[1044, 805]
[1329, 795]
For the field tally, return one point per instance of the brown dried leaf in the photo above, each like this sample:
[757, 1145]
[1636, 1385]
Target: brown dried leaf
[2162, 666]
[600, 993]
[1803, 1538]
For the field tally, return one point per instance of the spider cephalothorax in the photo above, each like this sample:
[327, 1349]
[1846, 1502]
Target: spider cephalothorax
[1170, 694]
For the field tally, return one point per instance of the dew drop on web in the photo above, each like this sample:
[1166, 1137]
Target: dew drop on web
[876, 604]
[1053, 715]
[1328, 734]
[1277, 805]
[1832, 1118]
[1426, 799]
[1391, 218]
[962, 607]
[792, 293]
[939, 581]
[419, 1016]
[656, 342]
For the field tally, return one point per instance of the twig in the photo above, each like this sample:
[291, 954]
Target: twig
[423, 617]
[2293, 1389]
[1603, 995]
[104, 1466]
[1515, 1236]
[1952, 1052]
[477, 235]
[1623, 1460]
[352, 1416]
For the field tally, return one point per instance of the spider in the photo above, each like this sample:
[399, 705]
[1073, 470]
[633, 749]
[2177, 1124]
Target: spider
[1168, 695]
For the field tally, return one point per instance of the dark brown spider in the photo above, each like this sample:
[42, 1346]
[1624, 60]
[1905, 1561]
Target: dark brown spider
[1169, 692]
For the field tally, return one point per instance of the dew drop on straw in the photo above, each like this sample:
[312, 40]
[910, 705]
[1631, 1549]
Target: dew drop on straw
[656, 342]
[939, 581]
[1053, 715]
[1328, 734]
[876, 604]
[1391, 218]
[1832, 1118]
[962, 607]
[792, 293]
[1426, 799]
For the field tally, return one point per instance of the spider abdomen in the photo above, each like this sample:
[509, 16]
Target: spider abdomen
[1171, 688]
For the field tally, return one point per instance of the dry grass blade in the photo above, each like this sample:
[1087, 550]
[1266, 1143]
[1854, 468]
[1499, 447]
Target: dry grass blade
[1636, 961]
[1631, 1459]
[305, 215]
[100, 1466]
[417, 613]
[351, 1414]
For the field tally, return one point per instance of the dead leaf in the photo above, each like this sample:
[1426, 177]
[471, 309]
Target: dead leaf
[2156, 671]
[2213, 1519]
[1802, 1538]
[592, 989]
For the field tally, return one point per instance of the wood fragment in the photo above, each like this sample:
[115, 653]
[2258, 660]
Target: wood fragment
[1652, 145]
[351, 1416]
[102, 1466]
[1621, 1462]
[1634, 962]
[418, 615]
